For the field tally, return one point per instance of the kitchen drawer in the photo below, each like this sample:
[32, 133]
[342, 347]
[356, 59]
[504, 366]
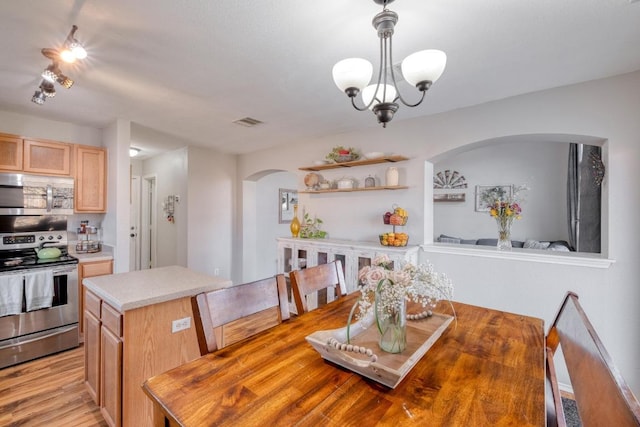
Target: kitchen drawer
[92, 303]
[112, 319]
[98, 268]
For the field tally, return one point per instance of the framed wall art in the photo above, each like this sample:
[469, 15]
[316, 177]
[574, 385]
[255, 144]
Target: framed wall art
[286, 200]
[486, 195]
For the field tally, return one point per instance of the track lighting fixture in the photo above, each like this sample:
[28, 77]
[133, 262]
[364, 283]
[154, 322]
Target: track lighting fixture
[38, 97]
[50, 73]
[71, 50]
[47, 89]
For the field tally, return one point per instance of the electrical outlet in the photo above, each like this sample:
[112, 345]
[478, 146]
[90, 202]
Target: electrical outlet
[216, 271]
[180, 325]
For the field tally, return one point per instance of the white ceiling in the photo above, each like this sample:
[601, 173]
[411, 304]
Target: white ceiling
[192, 67]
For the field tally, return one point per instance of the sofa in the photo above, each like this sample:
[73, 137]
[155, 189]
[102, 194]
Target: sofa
[553, 245]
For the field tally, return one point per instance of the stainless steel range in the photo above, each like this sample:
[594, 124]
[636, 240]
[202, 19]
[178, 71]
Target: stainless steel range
[38, 288]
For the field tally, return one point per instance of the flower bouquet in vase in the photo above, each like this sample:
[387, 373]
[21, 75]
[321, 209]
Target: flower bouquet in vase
[384, 295]
[504, 208]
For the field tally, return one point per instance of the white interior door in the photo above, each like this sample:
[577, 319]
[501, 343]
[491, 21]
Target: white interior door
[134, 225]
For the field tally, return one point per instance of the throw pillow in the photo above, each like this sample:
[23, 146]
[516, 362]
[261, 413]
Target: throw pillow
[449, 240]
[534, 244]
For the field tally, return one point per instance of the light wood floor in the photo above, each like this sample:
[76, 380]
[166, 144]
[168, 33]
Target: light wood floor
[48, 392]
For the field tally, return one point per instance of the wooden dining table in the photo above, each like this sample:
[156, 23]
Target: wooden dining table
[487, 369]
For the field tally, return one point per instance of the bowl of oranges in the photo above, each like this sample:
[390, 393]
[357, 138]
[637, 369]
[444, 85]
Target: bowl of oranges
[394, 239]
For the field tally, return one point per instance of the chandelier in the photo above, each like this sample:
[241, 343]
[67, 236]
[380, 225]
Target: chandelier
[71, 50]
[420, 69]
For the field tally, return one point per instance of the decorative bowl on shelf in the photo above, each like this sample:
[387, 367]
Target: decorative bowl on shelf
[374, 155]
[341, 154]
[344, 159]
[311, 180]
[394, 239]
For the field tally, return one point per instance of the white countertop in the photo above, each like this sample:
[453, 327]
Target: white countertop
[127, 291]
[104, 255]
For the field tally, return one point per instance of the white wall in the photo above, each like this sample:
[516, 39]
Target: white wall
[116, 139]
[35, 127]
[211, 200]
[267, 226]
[542, 166]
[171, 171]
[605, 109]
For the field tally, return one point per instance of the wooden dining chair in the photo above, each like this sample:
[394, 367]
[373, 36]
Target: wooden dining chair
[307, 282]
[228, 315]
[601, 394]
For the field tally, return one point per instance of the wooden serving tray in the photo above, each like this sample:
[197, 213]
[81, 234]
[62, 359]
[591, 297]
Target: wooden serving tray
[389, 369]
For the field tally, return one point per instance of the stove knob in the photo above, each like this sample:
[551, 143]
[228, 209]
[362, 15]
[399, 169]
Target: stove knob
[50, 237]
[41, 238]
[59, 237]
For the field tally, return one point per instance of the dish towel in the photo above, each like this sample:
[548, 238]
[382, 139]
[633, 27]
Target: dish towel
[38, 290]
[11, 294]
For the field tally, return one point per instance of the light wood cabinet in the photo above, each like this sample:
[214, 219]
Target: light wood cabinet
[47, 157]
[90, 269]
[103, 357]
[87, 164]
[111, 366]
[91, 179]
[10, 153]
[133, 345]
[92, 344]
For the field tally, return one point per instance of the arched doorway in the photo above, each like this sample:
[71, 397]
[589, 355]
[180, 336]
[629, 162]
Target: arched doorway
[260, 226]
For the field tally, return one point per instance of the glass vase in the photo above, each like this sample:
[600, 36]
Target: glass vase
[504, 235]
[295, 223]
[391, 318]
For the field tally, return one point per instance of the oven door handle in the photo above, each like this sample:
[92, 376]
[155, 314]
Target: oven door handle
[39, 336]
[65, 269]
[49, 198]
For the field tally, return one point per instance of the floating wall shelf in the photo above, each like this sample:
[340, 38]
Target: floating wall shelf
[348, 190]
[365, 162]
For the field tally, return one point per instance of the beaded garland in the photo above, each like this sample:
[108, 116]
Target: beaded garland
[364, 350]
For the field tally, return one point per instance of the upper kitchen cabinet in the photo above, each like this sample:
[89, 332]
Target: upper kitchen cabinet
[91, 179]
[10, 153]
[47, 157]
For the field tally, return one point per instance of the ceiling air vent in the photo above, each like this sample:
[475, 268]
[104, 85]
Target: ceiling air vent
[248, 122]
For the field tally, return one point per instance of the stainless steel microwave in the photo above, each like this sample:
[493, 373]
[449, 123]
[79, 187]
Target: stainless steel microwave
[22, 194]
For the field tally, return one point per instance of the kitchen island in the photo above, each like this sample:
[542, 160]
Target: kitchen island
[137, 325]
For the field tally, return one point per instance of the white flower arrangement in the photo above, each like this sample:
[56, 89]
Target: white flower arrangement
[417, 283]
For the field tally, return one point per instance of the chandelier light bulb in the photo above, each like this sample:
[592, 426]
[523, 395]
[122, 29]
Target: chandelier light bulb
[426, 65]
[370, 93]
[352, 73]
